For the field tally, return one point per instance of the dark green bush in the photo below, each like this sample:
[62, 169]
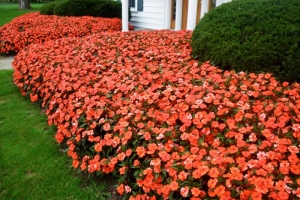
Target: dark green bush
[95, 8]
[48, 8]
[253, 36]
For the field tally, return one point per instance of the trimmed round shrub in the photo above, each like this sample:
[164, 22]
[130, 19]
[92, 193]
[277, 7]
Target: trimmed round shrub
[95, 8]
[253, 36]
[48, 9]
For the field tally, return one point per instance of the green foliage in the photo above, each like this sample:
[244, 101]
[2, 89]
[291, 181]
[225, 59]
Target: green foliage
[95, 8]
[48, 9]
[252, 35]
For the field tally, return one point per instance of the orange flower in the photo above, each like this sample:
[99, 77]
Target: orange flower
[239, 116]
[256, 196]
[236, 174]
[182, 175]
[195, 191]
[261, 185]
[152, 147]
[219, 190]
[283, 195]
[121, 189]
[128, 135]
[261, 172]
[213, 153]
[231, 124]
[75, 163]
[136, 163]
[284, 84]
[141, 151]
[273, 195]
[128, 152]
[295, 169]
[175, 156]
[155, 162]
[284, 167]
[298, 192]
[226, 196]
[213, 172]
[197, 173]
[232, 149]
[121, 156]
[269, 107]
[212, 183]
[245, 194]
[140, 125]
[164, 156]
[246, 154]
[59, 137]
[174, 186]
[122, 170]
[147, 136]
[293, 149]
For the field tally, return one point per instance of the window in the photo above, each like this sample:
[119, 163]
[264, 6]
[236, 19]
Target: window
[133, 5]
[136, 5]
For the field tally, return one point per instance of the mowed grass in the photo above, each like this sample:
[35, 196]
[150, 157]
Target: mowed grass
[10, 11]
[32, 167]
[31, 163]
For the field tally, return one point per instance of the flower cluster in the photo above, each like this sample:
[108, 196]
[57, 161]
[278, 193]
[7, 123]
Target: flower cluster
[139, 106]
[35, 28]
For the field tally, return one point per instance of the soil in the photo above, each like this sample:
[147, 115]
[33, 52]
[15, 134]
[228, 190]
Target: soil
[111, 183]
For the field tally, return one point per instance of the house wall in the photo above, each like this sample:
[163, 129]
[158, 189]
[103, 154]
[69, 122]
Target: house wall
[156, 15]
[151, 17]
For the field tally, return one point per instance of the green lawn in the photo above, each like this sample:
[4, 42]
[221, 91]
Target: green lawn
[10, 11]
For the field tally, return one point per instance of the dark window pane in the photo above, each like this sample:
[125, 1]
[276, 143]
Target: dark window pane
[140, 5]
[132, 3]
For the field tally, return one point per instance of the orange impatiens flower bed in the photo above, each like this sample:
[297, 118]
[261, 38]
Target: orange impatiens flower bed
[35, 28]
[139, 106]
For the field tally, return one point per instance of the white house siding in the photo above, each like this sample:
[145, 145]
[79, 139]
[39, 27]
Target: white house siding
[151, 17]
[155, 14]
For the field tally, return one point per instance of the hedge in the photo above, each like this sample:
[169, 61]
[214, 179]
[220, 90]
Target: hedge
[252, 36]
[95, 8]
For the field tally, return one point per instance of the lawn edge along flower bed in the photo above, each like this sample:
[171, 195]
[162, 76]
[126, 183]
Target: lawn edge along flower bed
[33, 28]
[138, 106]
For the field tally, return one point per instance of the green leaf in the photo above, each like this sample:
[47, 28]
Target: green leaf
[164, 172]
[236, 182]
